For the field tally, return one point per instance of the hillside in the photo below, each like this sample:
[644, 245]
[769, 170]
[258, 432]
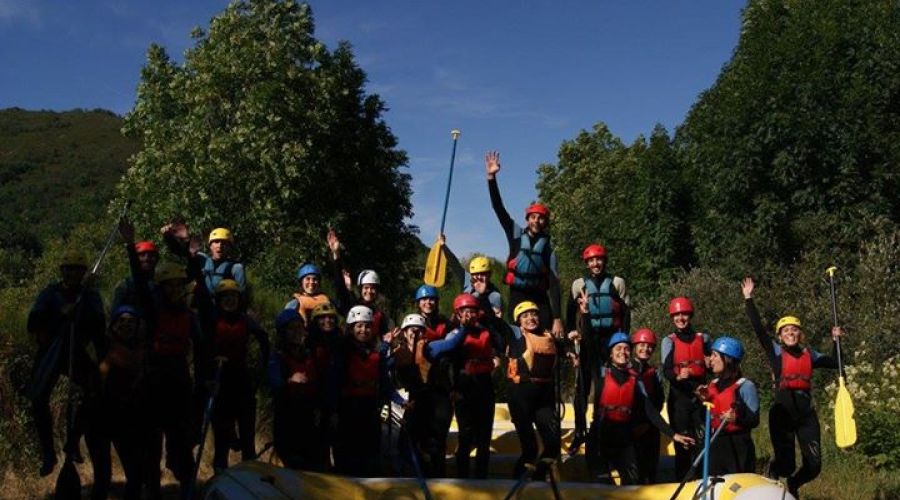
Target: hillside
[56, 169]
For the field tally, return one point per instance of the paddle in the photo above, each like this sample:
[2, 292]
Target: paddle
[844, 423]
[207, 416]
[701, 456]
[436, 264]
[68, 483]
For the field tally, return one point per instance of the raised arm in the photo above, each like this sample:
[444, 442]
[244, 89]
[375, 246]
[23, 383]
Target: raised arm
[747, 287]
[492, 167]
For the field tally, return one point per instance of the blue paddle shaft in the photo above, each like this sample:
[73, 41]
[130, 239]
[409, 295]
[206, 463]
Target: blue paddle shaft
[706, 450]
[449, 182]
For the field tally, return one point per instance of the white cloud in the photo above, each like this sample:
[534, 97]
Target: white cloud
[15, 10]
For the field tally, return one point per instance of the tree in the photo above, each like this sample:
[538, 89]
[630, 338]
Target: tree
[625, 197]
[795, 146]
[264, 130]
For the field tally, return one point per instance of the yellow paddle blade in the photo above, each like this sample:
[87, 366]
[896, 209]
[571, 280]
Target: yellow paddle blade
[844, 424]
[436, 266]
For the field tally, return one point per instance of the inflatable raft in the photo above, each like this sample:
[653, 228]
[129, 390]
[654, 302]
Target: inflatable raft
[267, 480]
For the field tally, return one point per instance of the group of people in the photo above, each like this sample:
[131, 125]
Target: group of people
[179, 333]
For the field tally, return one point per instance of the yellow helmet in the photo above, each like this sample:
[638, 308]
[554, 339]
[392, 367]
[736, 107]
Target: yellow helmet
[220, 233]
[226, 286]
[785, 321]
[524, 307]
[479, 264]
[167, 271]
[324, 309]
[73, 258]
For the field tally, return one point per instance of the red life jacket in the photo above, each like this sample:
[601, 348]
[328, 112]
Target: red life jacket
[377, 321]
[689, 354]
[362, 375]
[230, 340]
[437, 333]
[648, 378]
[172, 336]
[796, 371]
[617, 400]
[478, 353]
[722, 402]
[305, 367]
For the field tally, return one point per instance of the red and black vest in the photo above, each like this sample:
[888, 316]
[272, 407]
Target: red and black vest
[378, 322]
[689, 355]
[172, 336]
[722, 402]
[796, 371]
[478, 354]
[230, 340]
[307, 369]
[648, 377]
[616, 401]
[362, 374]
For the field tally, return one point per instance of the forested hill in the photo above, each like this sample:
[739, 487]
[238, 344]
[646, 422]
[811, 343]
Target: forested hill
[57, 169]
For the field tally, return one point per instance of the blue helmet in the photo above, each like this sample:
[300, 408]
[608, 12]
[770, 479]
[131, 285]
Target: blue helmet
[306, 269]
[729, 346]
[124, 309]
[618, 338]
[426, 292]
[285, 317]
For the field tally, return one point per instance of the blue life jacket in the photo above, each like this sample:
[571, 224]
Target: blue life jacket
[528, 268]
[213, 274]
[603, 305]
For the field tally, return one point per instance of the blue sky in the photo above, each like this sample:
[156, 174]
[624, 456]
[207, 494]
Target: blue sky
[516, 76]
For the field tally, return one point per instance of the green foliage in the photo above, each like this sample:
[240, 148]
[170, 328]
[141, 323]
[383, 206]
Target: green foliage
[625, 197]
[266, 131]
[795, 147]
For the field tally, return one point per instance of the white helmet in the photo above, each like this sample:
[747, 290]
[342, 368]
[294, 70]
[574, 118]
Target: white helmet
[368, 277]
[359, 314]
[413, 320]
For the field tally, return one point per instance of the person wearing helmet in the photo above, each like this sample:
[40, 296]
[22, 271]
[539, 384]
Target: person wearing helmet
[620, 398]
[297, 371]
[436, 324]
[174, 337]
[608, 312]
[309, 295]
[61, 309]
[119, 412]
[220, 262]
[368, 283]
[361, 376]
[146, 255]
[533, 356]
[476, 280]
[683, 353]
[429, 409]
[735, 405]
[324, 325]
[643, 343]
[792, 416]
[227, 333]
[476, 353]
[532, 264]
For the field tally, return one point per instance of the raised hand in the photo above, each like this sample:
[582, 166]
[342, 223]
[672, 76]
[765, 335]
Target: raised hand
[747, 286]
[491, 163]
[334, 244]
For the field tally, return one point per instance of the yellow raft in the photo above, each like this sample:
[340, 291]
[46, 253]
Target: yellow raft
[264, 480]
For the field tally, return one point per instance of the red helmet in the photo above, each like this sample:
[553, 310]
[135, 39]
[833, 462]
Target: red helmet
[537, 208]
[593, 250]
[145, 246]
[681, 305]
[464, 300]
[643, 336]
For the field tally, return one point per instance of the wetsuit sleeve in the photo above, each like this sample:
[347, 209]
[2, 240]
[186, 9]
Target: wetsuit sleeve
[666, 353]
[747, 405]
[456, 269]
[502, 215]
[274, 373]
[622, 291]
[554, 291]
[820, 360]
[650, 411]
[343, 297]
[441, 347]
[572, 305]
[764, 340]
